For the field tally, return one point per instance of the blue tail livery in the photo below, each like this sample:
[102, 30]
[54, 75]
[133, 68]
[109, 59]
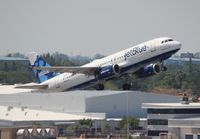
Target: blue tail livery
[41, 75]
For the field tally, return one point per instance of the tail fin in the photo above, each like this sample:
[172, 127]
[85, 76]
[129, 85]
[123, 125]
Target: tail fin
[41, 75]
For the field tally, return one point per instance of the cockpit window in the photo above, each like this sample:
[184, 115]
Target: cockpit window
[168, 40]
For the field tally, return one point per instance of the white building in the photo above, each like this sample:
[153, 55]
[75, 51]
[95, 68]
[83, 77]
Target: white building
[108, 104]
[25, 109]
[176, 120]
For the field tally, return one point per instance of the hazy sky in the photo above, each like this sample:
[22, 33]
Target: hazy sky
[88, 27]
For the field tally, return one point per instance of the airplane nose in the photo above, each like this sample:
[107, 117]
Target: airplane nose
[177, 44]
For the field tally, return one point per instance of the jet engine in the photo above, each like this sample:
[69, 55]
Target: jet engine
[149, 70]
[107, 71]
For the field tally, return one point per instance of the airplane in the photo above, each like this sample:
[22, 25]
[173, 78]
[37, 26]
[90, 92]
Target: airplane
[143, 60]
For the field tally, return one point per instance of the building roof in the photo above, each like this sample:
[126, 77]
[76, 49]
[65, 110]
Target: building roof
[89, 103]
[5, 58]
[10, 113]
[10, 89]
[184, 59]
[170, 105]
[179, 60]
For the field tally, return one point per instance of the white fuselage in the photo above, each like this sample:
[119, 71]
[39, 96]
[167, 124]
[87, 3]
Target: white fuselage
[129, 61]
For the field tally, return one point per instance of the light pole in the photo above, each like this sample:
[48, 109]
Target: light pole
[127, 113]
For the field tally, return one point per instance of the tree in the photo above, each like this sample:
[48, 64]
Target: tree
[3, 78]
[49, 58]
[84, 125]
[179, 77]
[122, 123]
[106, 129]
[132, 121]
[13, 66]
[6, 67]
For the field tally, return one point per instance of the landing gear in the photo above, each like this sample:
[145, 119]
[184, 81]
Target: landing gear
[99, 86]
[126, 86]
[164, 68]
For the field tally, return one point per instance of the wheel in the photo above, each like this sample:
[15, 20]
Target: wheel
[100, 87]
[97, 74]
[164, 68]
[126, 86]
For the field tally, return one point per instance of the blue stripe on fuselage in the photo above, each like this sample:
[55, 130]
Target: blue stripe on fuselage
[160, 57]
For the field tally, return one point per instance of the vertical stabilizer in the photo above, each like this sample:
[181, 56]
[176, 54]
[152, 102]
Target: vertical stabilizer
[37, 61]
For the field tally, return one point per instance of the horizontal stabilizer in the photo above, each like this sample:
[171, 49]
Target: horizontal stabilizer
[32, 86]
[83, 70]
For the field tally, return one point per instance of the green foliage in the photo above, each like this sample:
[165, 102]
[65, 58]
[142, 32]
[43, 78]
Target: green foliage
[179, 77]
[84, 125]
[107, 129]
[86, 122]
[132, 121]
[12, 72]
[111, 85]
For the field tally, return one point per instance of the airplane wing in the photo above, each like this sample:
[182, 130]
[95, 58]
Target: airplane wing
[83, 70]
[31, 86]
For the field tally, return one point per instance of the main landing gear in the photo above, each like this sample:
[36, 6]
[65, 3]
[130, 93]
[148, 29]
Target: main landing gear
[164, 68]
[127, 82]
[100, 86]
[126, 86]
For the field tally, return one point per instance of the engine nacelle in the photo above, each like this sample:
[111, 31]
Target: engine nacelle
[107, 71]
[149, 70]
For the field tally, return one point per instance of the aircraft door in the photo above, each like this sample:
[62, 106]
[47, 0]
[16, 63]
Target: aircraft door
[153, 46]
[57, 82]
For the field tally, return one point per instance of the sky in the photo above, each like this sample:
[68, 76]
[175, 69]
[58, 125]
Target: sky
[87, 27]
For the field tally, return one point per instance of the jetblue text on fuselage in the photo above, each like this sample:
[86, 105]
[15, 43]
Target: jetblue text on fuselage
[134, 51]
